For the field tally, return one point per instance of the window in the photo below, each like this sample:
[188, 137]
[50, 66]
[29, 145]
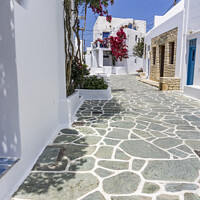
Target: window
[149, 47]
[130, 26]
[171, 52]
[154, 55]
[136, 37]
[106, 35]
[139, 40]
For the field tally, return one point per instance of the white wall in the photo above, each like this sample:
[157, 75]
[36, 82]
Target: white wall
[39, 55]
[193, 28]
[171, 13]
[9, 112]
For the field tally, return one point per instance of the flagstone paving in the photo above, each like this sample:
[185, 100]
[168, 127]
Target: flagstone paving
[143, 144]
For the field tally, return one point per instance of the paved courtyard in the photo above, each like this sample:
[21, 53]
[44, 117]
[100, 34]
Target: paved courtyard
[141, 145]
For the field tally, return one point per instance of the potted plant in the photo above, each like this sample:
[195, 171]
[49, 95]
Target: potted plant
[140, 72]
[95, 88]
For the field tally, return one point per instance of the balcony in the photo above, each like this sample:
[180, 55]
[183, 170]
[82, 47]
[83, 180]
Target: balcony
[101, 45]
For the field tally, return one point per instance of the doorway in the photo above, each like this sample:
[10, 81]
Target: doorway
[191, 62]
[162, 60]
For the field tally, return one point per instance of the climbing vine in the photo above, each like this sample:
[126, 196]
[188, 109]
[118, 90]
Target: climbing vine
[72, 26]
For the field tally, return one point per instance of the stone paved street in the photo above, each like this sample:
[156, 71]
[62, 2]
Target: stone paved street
[141, 145]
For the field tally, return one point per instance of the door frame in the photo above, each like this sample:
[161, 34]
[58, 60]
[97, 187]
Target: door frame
[162, 59]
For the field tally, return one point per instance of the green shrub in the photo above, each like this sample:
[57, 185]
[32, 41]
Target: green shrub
[94, 83]
[78, 73]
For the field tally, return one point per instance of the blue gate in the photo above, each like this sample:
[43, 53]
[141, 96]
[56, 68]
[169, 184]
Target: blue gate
[191, 62]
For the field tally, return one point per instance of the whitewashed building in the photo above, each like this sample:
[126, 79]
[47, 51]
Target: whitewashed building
[99, 56]
[32, 85]
[172, 49]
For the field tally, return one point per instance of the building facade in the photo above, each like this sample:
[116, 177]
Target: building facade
[172, 49]
[99, 56]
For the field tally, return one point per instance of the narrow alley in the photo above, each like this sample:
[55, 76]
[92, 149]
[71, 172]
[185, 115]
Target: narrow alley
[143, 144]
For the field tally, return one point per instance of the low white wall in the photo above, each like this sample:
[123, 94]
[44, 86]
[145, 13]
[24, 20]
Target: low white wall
[68, 108]
[192, 91]
[107, 70]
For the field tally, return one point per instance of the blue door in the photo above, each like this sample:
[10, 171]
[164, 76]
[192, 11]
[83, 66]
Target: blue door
[191, 62]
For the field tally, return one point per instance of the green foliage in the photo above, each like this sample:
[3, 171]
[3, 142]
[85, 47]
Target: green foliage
[94, 83]
[138, 49]
[78, 72]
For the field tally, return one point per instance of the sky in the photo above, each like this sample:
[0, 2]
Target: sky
[136, 9]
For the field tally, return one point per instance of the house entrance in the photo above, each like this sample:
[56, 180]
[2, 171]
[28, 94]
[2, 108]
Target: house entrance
[191, 62]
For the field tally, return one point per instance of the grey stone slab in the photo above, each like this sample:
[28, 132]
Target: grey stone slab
[86, 130]
[123, 183]
[189, 134]
[191, 118]
[189, 128]
[177, 187]
[69, 131]
[49, 156]
[111, 142]
[194, 144]
[133, 136]
[157, 127]
[100, 125]
[143, 134]
[172, 170]
[77, 151]
[113, 165]
[83, 164]
[185, 149]
[140, 127]
[103, 173]
[137, 164]
[65, 139]
[131, 198]
[56, 186]
[150, 188]
[88, 140]
[118, 134]
[157, 134]
[178, 153]
[121, 155]
[191, 196]
[104, 152]
[102, 132]
[166, 143]
[142, 149]
[95, 196]
[177, 122]
[123, 124]
[167, 197]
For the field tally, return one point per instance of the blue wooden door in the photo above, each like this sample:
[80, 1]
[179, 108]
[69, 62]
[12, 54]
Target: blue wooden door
[191, 62]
